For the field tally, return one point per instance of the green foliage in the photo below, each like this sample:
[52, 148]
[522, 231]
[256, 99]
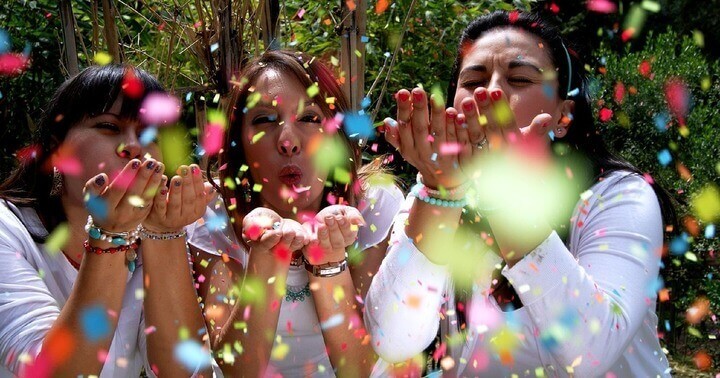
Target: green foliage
[633, 133]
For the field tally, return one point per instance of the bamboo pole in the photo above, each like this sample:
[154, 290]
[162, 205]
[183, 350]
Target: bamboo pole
[68, 23]
[352, 30]
[110, 30]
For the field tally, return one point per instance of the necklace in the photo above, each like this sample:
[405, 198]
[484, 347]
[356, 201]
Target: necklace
[295, 296]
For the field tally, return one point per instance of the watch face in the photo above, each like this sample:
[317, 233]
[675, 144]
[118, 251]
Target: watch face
[333, 270]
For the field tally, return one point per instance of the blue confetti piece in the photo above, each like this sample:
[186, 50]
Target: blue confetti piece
[551, 135]
[664, 157]
[364, 39]
[27, 49]
[1, 95]
[655, 286]
[5, 43]
[403, 256]
[333, 321]
[192, 355]
[199, 151]
[95, 323]
[661, 120]
[548, 90]
[365, 102]
[573, 92]
[97, 207]
[214, 47]
[216, 223]
[188, 96]
[667, 325]
[679, 244]
[360, 125]
[149, 135]
[710, 231]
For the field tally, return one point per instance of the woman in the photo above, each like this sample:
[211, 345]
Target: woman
[582, 306]
[282, 299]
[84, 309]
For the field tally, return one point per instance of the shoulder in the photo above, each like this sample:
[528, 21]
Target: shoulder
[379, 206]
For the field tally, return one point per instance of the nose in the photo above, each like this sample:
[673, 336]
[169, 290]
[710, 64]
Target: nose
[288, 143]
[496, 82]
[130, 148]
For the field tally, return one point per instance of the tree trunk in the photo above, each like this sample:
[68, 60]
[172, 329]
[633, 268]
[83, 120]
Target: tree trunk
[270, 16]
[110, 30]
[353, 29]
[68, 23]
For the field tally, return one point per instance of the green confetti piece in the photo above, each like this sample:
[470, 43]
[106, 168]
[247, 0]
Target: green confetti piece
[217, 117]
[706, 204]
[635, 19]
[334, 61]
[279, 352]
[183, 333]
[341, 175]
[693, 331]
[313, 90]
[229, 183]
[651, 6]
[691, 256]
[330, 153]
[699, 38]
[57, 238]
[257, 188]
[539, 372]
[102, 58]
[252, 100]
[623, 118]
[257, 137]
[705, 83]
[175, 147]
[437, 92]
[503, 113]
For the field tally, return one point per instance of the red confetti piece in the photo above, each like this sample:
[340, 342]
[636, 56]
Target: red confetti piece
[254, 232]
[677, 97]
[282, 253]
[605, 114]
[644, 68]
[554, 8]
[513, 16]
[619, 92]
[315, 254]
[13, 64]
[69, 165]
[28, 153]
[627, 34]
[131, 85]
[351, 5]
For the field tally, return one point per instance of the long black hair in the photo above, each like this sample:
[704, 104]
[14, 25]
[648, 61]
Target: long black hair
[91, 92]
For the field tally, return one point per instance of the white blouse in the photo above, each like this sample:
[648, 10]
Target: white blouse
[298, 326]
[589, 307]
[34, 286]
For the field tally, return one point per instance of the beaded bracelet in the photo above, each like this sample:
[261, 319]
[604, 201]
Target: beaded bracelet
[420, 192]
[117, 238]
[455, 193]
[146, 234]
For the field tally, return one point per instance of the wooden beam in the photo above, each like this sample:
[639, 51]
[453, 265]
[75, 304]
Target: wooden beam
[110, 30]
[68, 24]
[269, 20]
[353, 29]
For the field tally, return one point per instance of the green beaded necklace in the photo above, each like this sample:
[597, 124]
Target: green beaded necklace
[295, 296]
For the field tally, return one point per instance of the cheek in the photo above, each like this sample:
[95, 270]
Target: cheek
[526, 108]
[460, 95]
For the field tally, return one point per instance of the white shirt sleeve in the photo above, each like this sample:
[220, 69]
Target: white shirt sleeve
[402, 307]
[589, 301]
[27, 308]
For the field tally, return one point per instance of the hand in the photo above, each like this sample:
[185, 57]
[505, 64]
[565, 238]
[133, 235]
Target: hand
[267, 231]
[347, 219]
[126, 201]
[427, 142]
[182, 204]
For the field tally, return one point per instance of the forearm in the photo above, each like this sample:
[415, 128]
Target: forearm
[100, 287]
[254, 317]
[430, 227]
[340, 319]
[170, 303]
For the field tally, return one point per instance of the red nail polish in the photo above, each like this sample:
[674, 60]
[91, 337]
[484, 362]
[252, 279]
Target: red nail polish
[417, 96]
[482, 95]
[496, 94]
[403, 96]
[451, 115]
[468, 106]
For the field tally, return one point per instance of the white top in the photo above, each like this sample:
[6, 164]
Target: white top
[298, 326]
[34, 286]
[589, 307]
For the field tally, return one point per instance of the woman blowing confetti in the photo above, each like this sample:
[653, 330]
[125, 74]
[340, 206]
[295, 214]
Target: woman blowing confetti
[574, 284]
[281, 298]
[77, 294]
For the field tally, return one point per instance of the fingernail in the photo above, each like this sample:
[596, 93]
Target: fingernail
[163, 191]
[194, 170]
[403, 96]
[468, 106]
[481, 96]
[100, 180]
[135, 164]
[417, 96]
[177, 182]
[452, 115]
[329, 221]
[341, 220]
[150, 165]
[183, 171]
[158, 168]
[392, 123]
[495, 94]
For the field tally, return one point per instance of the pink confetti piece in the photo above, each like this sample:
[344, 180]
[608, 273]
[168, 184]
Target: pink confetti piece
[13, 64]
[150, 330]
[601, 6]
[69, 165]
[605, 114]
[160, 109]
[677, 97]
[213, 138]
[450, 148]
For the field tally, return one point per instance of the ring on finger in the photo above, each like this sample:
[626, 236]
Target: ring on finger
[482, 144]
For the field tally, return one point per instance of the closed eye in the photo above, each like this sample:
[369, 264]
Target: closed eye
[520, 80]
[309, 118]
[108, 126]
[264, 119]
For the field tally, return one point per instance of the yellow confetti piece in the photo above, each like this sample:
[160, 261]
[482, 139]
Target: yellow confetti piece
[503, 113]
[102, 58]
[257, 137]
[279, 352]
[57, 239]
[705, 83]
[313, 90]
[183, 333]
[252, 100]
[358, 53]
[175, 147]
[539, 372]
[338, 293]
[706, 204]
[334, 61]
[482, 120]
[691, 256]
[341, 175]
[136, 201]
[437, 94]
[257, 188]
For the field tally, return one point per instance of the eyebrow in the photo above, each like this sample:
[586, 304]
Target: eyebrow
[511, 65]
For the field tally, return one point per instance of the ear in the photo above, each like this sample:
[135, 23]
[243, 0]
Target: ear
[566, 116]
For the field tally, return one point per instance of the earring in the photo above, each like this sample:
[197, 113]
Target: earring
[57, 183]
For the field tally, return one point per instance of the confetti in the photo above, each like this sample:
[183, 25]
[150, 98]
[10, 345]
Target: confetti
[5, 43]
[57, 239]
[381, 6]
[706, 204]
[214, 132]
[359, 126]
[192, 355]
[13, 64]
[148, 135]
[601, 6]
[160, 109]
[95, 323]
[102, 58]
[313, 90]
[131, 85]
[678, 98]
[333, 321]
[605, 114]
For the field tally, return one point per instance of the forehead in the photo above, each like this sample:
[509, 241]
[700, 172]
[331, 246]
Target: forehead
[506, 44]
[273, 83]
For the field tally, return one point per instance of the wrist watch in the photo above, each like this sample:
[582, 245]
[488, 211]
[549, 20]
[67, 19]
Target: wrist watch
[329, 269]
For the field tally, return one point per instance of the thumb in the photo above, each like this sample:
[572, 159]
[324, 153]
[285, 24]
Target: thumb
[539, 126]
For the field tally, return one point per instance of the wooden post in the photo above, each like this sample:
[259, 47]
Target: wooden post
[68, 23]
[228, 53]
[270, 16]
[353, 29]
[110, 30]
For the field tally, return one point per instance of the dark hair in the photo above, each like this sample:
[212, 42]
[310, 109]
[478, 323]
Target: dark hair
[92, 91]
[587, 148]
[307, 70]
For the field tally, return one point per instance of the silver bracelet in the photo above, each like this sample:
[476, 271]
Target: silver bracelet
[329, 269]
[145, 234]
[116, 238]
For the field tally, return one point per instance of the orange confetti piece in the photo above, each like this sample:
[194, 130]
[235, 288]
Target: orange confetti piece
[381, 6]
[413, 301]
[351, 5]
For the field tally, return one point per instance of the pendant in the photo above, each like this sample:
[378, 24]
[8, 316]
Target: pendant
[297, 296]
